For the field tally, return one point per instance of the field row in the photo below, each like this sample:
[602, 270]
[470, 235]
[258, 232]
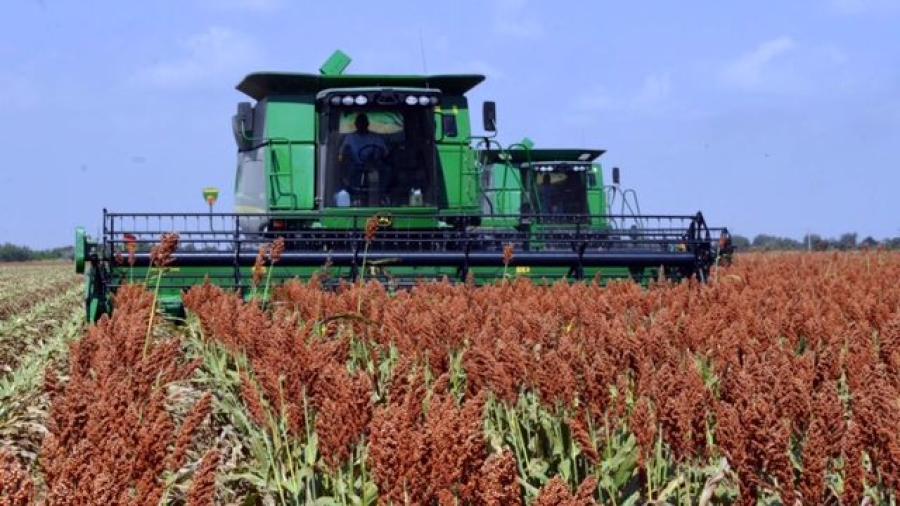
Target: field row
[13, 272]
[29, 331]
[31, 343]
[25, 285]
[24, 405]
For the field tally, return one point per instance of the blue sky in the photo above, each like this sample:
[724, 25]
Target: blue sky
[770, 116]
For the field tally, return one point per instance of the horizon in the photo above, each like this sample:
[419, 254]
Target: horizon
[750, 238]
[784, 126]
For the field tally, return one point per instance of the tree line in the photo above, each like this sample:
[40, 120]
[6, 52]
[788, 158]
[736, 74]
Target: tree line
[813, 242]
[14, 253]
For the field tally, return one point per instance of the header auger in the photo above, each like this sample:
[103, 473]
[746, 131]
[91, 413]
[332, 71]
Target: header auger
[320, 156]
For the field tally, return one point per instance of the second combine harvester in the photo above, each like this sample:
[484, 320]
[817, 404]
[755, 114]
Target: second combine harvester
[561, 190]
[320, 156]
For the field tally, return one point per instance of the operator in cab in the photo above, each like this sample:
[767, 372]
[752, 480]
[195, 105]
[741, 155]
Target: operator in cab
[364, 157]
[548, 195]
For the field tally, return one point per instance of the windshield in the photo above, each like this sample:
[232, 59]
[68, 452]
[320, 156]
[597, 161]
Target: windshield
[560, 191]
[379, 156]
[250, 183]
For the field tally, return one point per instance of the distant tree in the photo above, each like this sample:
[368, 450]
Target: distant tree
[773, 242]
[14, 253]
[764, 241]
[740, 242]
[868, 243]
[846, 241]
[815, 242]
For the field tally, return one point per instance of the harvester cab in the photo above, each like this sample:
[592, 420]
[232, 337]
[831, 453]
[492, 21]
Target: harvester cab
[334, 148]
[372, 176]
[551, 182]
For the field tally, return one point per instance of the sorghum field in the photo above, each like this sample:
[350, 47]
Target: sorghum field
[777, 383]
[40, 314]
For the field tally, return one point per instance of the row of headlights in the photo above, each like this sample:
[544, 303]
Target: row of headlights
[349, 100]
[551, 168]
[421, 100]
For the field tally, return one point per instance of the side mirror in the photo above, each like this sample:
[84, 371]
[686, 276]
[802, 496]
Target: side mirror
[489, 116]
[242, 125]
[245, 117]
[615, 175]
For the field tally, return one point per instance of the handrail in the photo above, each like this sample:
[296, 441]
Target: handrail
[275, 173]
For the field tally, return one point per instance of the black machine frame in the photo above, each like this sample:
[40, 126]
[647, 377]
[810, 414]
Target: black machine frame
[683, 246]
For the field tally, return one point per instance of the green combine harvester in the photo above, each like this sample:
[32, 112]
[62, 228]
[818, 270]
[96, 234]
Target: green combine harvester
[322, 157]
[561, 190]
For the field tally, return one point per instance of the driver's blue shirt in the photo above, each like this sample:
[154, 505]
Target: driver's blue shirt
[357, 141]
[547, 198]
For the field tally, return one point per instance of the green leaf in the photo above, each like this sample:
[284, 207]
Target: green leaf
[606, 482]
[623, 463]
[496, 440]
[537, 468]
[632, 499]
[292, 486]
[306, 473]
[565, 469]
[370, 493]
[674, 484]
[311, 449]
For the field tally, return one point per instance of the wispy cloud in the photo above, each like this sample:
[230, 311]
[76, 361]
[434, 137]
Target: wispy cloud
[750, 71]
[783, 66]
[514, 18]
[207, 56]
[652, 94]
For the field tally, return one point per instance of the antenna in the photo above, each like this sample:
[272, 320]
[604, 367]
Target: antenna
[422, 49]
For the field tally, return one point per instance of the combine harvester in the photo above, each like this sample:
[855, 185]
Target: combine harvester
[323, 156]
[561, 190]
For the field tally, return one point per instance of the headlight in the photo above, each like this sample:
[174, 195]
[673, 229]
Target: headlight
[434, 100]
[335, 100]
[347, 100]
[361, 100]
[423, 100]
[411, 100]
